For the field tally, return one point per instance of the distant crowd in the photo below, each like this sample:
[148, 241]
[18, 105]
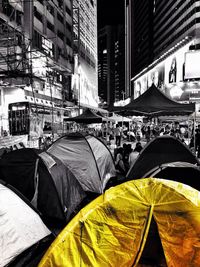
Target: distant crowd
[126, 153]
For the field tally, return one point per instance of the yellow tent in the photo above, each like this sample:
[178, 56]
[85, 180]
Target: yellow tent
[113, 229]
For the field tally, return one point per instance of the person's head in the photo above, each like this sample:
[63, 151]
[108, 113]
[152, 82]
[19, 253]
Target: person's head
[129, 149]
[124, 146]
[138, 147]
[120, 150]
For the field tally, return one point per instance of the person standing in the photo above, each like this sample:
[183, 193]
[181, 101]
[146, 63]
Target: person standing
[118, 135]
[134, 153]
[197, 141]
[119, 163]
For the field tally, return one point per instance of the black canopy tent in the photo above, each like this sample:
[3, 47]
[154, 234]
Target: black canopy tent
[154, 103]
[88, 116]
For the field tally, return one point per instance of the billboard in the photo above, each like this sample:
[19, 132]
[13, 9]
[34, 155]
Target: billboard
[192, 69]
[155, 75]
[84, 83]
[171, 75]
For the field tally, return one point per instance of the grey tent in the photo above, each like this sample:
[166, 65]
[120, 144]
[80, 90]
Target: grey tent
[163, 149]
[87, 157]
[21, 229]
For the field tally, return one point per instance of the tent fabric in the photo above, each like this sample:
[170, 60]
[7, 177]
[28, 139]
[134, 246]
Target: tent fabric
[59, 192]
[17, 168]
[163, 149]
[87, 158]
[155, 103]
[88, 116]
[178, 171]
[113, 229]
[33, 255]
[21, 227]
[102, 157]
[69, 190]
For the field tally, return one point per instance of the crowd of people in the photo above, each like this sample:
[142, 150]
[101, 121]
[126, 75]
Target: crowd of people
[128, 139]
[125, 156]
[127, 147]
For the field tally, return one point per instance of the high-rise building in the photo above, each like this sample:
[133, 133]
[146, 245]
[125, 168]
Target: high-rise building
[142, 35]
[111, 64]
[36, 62]
[166, 48]
[84, 80]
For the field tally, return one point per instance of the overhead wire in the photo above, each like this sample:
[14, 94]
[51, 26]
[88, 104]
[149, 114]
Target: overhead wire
[10, 2]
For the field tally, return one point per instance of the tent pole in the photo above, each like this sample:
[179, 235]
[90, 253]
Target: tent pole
[107, 142]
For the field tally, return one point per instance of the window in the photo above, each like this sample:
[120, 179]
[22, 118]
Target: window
[37, 40]
[60, 35]
[8, 10]
[59, 17]
[50, 8]
[37, 14]
[68, 26]
[92, 2]
[18, 17]
[68, 10]
[50, 26]
[60, 3]
[68, 41]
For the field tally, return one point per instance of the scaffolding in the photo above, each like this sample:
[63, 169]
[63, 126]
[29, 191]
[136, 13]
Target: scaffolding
[14, 49]
[19, 51]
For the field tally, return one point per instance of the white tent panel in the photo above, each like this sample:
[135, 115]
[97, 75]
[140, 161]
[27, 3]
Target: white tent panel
[20, 226]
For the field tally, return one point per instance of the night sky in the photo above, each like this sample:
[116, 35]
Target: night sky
[110, 12]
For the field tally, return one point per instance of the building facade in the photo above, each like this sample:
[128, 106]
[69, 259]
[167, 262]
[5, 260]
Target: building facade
[141, 35]
[111, 64]
[36, 63]
[168, 51]
[84, 80]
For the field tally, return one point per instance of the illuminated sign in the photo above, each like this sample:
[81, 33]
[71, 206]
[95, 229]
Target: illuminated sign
[39, 64]
[47, 46]
[84, 83]
[176, 91]
[192, 69]
[168, 75]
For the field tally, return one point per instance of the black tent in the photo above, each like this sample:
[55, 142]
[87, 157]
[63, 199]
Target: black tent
[163, 149]
[183, 172]
[88, 116]
[45, 182]
[155, 103]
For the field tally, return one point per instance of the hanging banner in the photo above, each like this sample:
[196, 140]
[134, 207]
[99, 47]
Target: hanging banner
[36, 127]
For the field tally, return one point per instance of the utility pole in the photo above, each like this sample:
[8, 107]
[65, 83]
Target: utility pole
[76, 45]
[127, 47]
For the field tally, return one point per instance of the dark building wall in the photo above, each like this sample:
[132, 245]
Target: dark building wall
[142, 35]
[102, 65]
[173, 20]
[157, 26]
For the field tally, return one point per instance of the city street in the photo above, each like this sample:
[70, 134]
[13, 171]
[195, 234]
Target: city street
[99, 133]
